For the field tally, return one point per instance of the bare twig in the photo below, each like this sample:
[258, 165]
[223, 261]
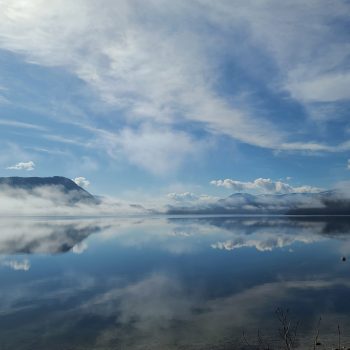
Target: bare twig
[316, 342]
[287, 332]
[244, 338]
[261, 342]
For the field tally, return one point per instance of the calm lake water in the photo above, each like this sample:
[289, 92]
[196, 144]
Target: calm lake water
[171, 283]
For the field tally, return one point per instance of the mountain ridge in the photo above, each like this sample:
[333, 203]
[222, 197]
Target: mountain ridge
[64, 184]
[66, 191]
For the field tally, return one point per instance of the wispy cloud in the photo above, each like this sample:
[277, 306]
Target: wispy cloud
[22, 166]
[158, 150]
[310, 57]
[171, 79]
[311, 146]
[128, 62]
[51, 151]
[325, 88]
[67, 140]
[19, 124]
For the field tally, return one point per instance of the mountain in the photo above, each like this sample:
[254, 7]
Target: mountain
[323, 203]
[332, 203]
[61, 185]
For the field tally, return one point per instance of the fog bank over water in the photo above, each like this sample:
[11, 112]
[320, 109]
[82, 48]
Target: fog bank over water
[55, 200]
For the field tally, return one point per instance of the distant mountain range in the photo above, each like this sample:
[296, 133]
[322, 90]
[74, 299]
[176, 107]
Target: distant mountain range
[324, 203]
[331, 202]
[66, 186]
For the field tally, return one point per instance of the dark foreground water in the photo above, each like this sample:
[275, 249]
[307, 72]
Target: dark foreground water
[172, 283]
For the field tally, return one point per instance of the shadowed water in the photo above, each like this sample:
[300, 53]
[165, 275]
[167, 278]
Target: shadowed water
[171, 283]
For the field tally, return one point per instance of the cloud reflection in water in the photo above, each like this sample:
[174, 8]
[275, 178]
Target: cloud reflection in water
[158, 283]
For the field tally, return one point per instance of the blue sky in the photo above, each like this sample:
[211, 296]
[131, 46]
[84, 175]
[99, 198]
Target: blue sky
[146, 98]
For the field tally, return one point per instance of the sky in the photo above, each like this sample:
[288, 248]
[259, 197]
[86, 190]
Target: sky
[168, 99]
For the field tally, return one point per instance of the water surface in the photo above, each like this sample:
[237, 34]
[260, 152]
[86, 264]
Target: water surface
[171, 282]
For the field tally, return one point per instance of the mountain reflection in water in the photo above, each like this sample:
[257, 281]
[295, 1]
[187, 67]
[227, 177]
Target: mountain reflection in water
[171, 283]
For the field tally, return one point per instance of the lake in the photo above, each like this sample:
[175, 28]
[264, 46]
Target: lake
[173, 282]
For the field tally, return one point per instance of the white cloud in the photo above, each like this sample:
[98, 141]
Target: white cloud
[166, 71]
[191, 198]
[23, 265]
[11, 151]
[314, 147]
[158, 150]
[82, 181]
[265, 186]
[148, 70]
[22, 166]
[305, 42]
[324, 88]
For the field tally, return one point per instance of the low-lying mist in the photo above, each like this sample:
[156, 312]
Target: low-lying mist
[54, 200]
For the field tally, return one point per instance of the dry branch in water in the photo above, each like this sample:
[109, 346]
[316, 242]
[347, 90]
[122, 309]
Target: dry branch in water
[288, 332]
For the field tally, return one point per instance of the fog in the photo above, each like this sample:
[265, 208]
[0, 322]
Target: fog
[54, 200]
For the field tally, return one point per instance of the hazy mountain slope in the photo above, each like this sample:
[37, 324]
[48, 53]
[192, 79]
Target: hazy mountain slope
[323, 203]
[38, 185]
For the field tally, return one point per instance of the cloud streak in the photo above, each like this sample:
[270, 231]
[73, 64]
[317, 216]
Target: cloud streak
[18, 124]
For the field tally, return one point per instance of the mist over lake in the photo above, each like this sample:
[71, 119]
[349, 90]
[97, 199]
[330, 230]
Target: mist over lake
[174, 175]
